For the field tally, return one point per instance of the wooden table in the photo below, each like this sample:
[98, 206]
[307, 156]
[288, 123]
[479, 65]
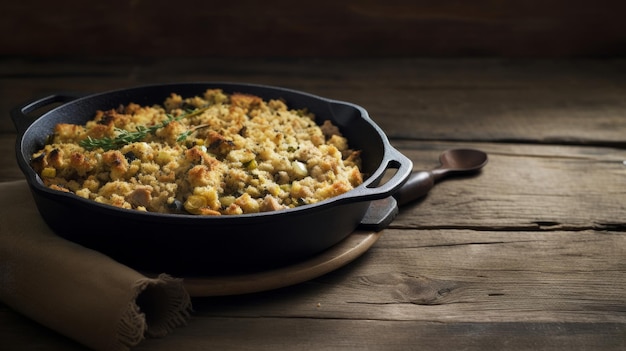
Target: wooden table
[528, 255]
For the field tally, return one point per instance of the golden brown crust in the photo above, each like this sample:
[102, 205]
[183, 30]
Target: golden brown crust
[238, 154]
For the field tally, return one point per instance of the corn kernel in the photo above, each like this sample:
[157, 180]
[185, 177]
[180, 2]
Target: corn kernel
[251, 165]
[227, 200]
[163, 157]
[194, 203]
[49, 172]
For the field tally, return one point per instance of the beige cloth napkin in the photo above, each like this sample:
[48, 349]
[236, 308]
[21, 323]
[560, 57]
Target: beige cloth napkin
[76, 291]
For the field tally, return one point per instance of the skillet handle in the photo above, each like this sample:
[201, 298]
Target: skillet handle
[380, 214]
[20, 114]
[371, 190]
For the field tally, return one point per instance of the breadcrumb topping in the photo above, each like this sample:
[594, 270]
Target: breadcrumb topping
[215, 154]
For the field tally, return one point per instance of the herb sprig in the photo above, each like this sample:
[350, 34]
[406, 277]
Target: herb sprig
[183, 136]
[125, 137]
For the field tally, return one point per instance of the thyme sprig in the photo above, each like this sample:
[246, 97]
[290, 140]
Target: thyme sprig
[184, 135]
[125, 137]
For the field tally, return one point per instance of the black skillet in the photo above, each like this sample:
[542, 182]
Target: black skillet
[188, 244]
[195, 245]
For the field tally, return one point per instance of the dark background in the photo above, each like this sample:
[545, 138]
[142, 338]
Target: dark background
[324, 28]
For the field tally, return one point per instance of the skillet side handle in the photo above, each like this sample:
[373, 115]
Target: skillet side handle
[20, 114]
[380, 214]
[372, 191]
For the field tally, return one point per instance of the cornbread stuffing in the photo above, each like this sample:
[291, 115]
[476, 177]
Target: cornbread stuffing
[215, 154]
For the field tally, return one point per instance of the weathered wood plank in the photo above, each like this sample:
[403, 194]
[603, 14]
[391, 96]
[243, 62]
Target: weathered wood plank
[8, 164]
[329, 334]
[204, 333]
[579, 102]
[460, 276]
[529, 254]
[527, 187]
[324, 28]
[549, 289]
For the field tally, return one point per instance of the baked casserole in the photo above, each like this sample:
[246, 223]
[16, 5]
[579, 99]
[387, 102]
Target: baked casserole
[215, 154]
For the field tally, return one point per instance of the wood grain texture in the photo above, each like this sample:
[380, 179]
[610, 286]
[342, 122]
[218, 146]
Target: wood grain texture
[320, 334]
[527, 255]
[8, 164]
[488, 288]
[538, 101]
[523, 187]
[324, 28]
[446, 276]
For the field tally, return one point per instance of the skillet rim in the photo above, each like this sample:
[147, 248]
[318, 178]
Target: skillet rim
[367, 191]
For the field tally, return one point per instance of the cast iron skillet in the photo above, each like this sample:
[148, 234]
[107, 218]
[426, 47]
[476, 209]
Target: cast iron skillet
[188, 244]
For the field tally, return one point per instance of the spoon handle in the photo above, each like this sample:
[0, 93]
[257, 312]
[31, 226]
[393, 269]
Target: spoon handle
[418, 185]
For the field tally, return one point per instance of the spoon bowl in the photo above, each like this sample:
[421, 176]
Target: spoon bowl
[454, 161]
[460, 161]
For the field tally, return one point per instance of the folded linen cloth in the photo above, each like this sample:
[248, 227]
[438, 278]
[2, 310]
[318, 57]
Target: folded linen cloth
[77, 291]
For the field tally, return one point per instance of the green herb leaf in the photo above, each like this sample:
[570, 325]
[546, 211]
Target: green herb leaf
[125, 137]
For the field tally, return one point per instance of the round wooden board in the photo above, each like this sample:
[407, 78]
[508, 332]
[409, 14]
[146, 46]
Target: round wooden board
[338, 256]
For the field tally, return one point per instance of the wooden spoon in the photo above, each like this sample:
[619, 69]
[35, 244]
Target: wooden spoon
[454, 161]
